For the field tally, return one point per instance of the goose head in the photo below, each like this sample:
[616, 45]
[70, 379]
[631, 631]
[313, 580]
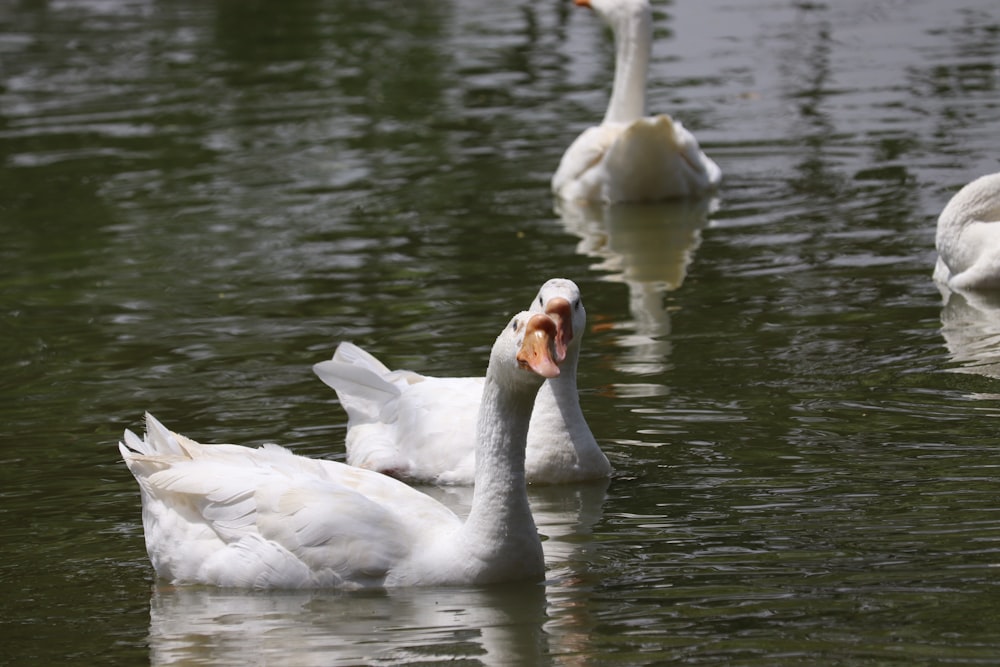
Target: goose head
[560, 299]
[530, 339]
[618, 12]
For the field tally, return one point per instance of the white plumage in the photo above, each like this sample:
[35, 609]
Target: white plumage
[228, 515]
[630, 157]
[422, 428]
[968, 237]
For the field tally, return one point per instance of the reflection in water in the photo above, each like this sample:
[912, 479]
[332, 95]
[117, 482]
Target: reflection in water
[648, 247]
[970, 324]
[492, 625]
[566, 516]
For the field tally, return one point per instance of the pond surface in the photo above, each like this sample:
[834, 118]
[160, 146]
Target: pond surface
[199, 200]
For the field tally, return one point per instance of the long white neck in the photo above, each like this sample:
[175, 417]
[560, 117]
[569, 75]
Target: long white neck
[559, 400]
[561, 445]
[500, 528]
[633, 44]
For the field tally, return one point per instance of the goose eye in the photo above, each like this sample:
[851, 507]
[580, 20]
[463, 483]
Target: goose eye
[577, 304]
[514, 325]
[541, 302]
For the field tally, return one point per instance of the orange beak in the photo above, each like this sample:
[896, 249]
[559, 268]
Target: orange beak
[562, 314]
[582, 3]
[536, 350]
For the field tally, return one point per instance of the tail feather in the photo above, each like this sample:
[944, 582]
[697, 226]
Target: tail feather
[361, 384]
[153, 452]
[157, 441]
[350, 353]
[160, 439]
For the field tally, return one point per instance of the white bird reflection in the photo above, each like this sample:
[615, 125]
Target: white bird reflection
[499, 625]
[513, 624]
[648, 247]
[970, 324]
[565, 516]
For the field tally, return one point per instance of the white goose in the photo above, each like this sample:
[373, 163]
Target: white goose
[968, 237]
[630, 157]
[422, 429]
[227, 515]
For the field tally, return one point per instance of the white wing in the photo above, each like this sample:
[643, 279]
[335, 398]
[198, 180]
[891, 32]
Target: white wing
[235, 516]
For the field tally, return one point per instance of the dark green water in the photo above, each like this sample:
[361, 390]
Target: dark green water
[198, 200]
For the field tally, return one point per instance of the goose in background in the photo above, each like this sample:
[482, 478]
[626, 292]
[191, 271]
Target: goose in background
[631, 157]
[228, 515]
[968, 237]
[421, 428]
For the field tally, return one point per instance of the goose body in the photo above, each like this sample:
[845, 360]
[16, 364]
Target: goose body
[422, 428]
[630, 157]
[968, 237]
[228, 515]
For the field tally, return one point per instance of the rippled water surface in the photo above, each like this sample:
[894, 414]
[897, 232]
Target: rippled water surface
[198, 200]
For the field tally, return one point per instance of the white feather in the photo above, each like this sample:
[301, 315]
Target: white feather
[234, 516]
[630, 157]
[968, 237]
[424, 429]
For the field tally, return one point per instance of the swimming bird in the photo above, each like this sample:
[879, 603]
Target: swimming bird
[968, 237]
[421, 428]
[631, 157]
[228, 515]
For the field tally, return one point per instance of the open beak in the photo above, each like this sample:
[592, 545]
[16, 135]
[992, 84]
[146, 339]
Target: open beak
[562, 314]
[536, 351]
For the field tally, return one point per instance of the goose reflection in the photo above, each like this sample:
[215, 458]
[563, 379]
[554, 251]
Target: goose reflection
[497, 625]
[970, 324]
[649, 248]
[565, 516]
